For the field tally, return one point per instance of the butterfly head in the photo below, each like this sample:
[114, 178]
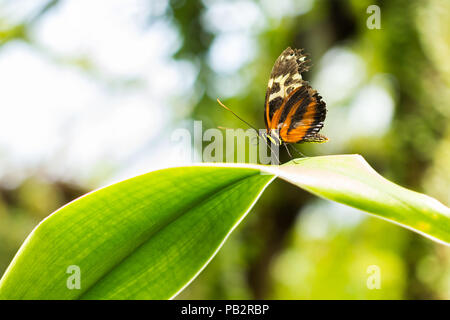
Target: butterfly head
[272, 137]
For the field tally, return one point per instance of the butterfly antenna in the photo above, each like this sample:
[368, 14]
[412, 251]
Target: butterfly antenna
[257, 131]
[236, 115]
[223, 128]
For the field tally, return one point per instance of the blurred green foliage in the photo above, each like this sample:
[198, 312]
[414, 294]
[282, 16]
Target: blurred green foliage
[293, 246]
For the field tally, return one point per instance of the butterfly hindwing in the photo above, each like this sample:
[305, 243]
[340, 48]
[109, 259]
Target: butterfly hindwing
[306, 121]
[292, 106]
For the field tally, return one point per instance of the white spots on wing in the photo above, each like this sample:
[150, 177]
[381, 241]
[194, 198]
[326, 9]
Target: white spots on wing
[277, 94]
[280, 93]
[281, 79]
[284, 90]
[270, 83]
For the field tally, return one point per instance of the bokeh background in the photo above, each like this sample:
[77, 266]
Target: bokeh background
[91, 91]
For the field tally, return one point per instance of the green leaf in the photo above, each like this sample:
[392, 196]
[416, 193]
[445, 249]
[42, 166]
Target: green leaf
[149, 236]
[143, 238]
[350, 180]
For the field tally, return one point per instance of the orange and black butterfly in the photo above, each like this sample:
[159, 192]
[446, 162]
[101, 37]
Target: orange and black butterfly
[293, 111]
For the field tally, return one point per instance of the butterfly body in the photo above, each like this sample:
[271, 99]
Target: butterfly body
[294, 112]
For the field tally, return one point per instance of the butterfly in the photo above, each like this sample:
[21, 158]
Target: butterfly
[293, 111]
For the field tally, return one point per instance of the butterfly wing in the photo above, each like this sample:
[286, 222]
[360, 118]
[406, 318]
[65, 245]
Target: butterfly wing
[305, 116]
[292, 106]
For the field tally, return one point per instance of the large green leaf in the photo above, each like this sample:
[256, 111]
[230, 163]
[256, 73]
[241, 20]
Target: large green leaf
[350, 180]
[149, 236]
[143, 238]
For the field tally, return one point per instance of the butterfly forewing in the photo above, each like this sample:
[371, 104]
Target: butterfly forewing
[291, 105]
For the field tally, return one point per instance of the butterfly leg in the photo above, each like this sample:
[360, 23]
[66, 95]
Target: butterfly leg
[298, 152]
[287, 149]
